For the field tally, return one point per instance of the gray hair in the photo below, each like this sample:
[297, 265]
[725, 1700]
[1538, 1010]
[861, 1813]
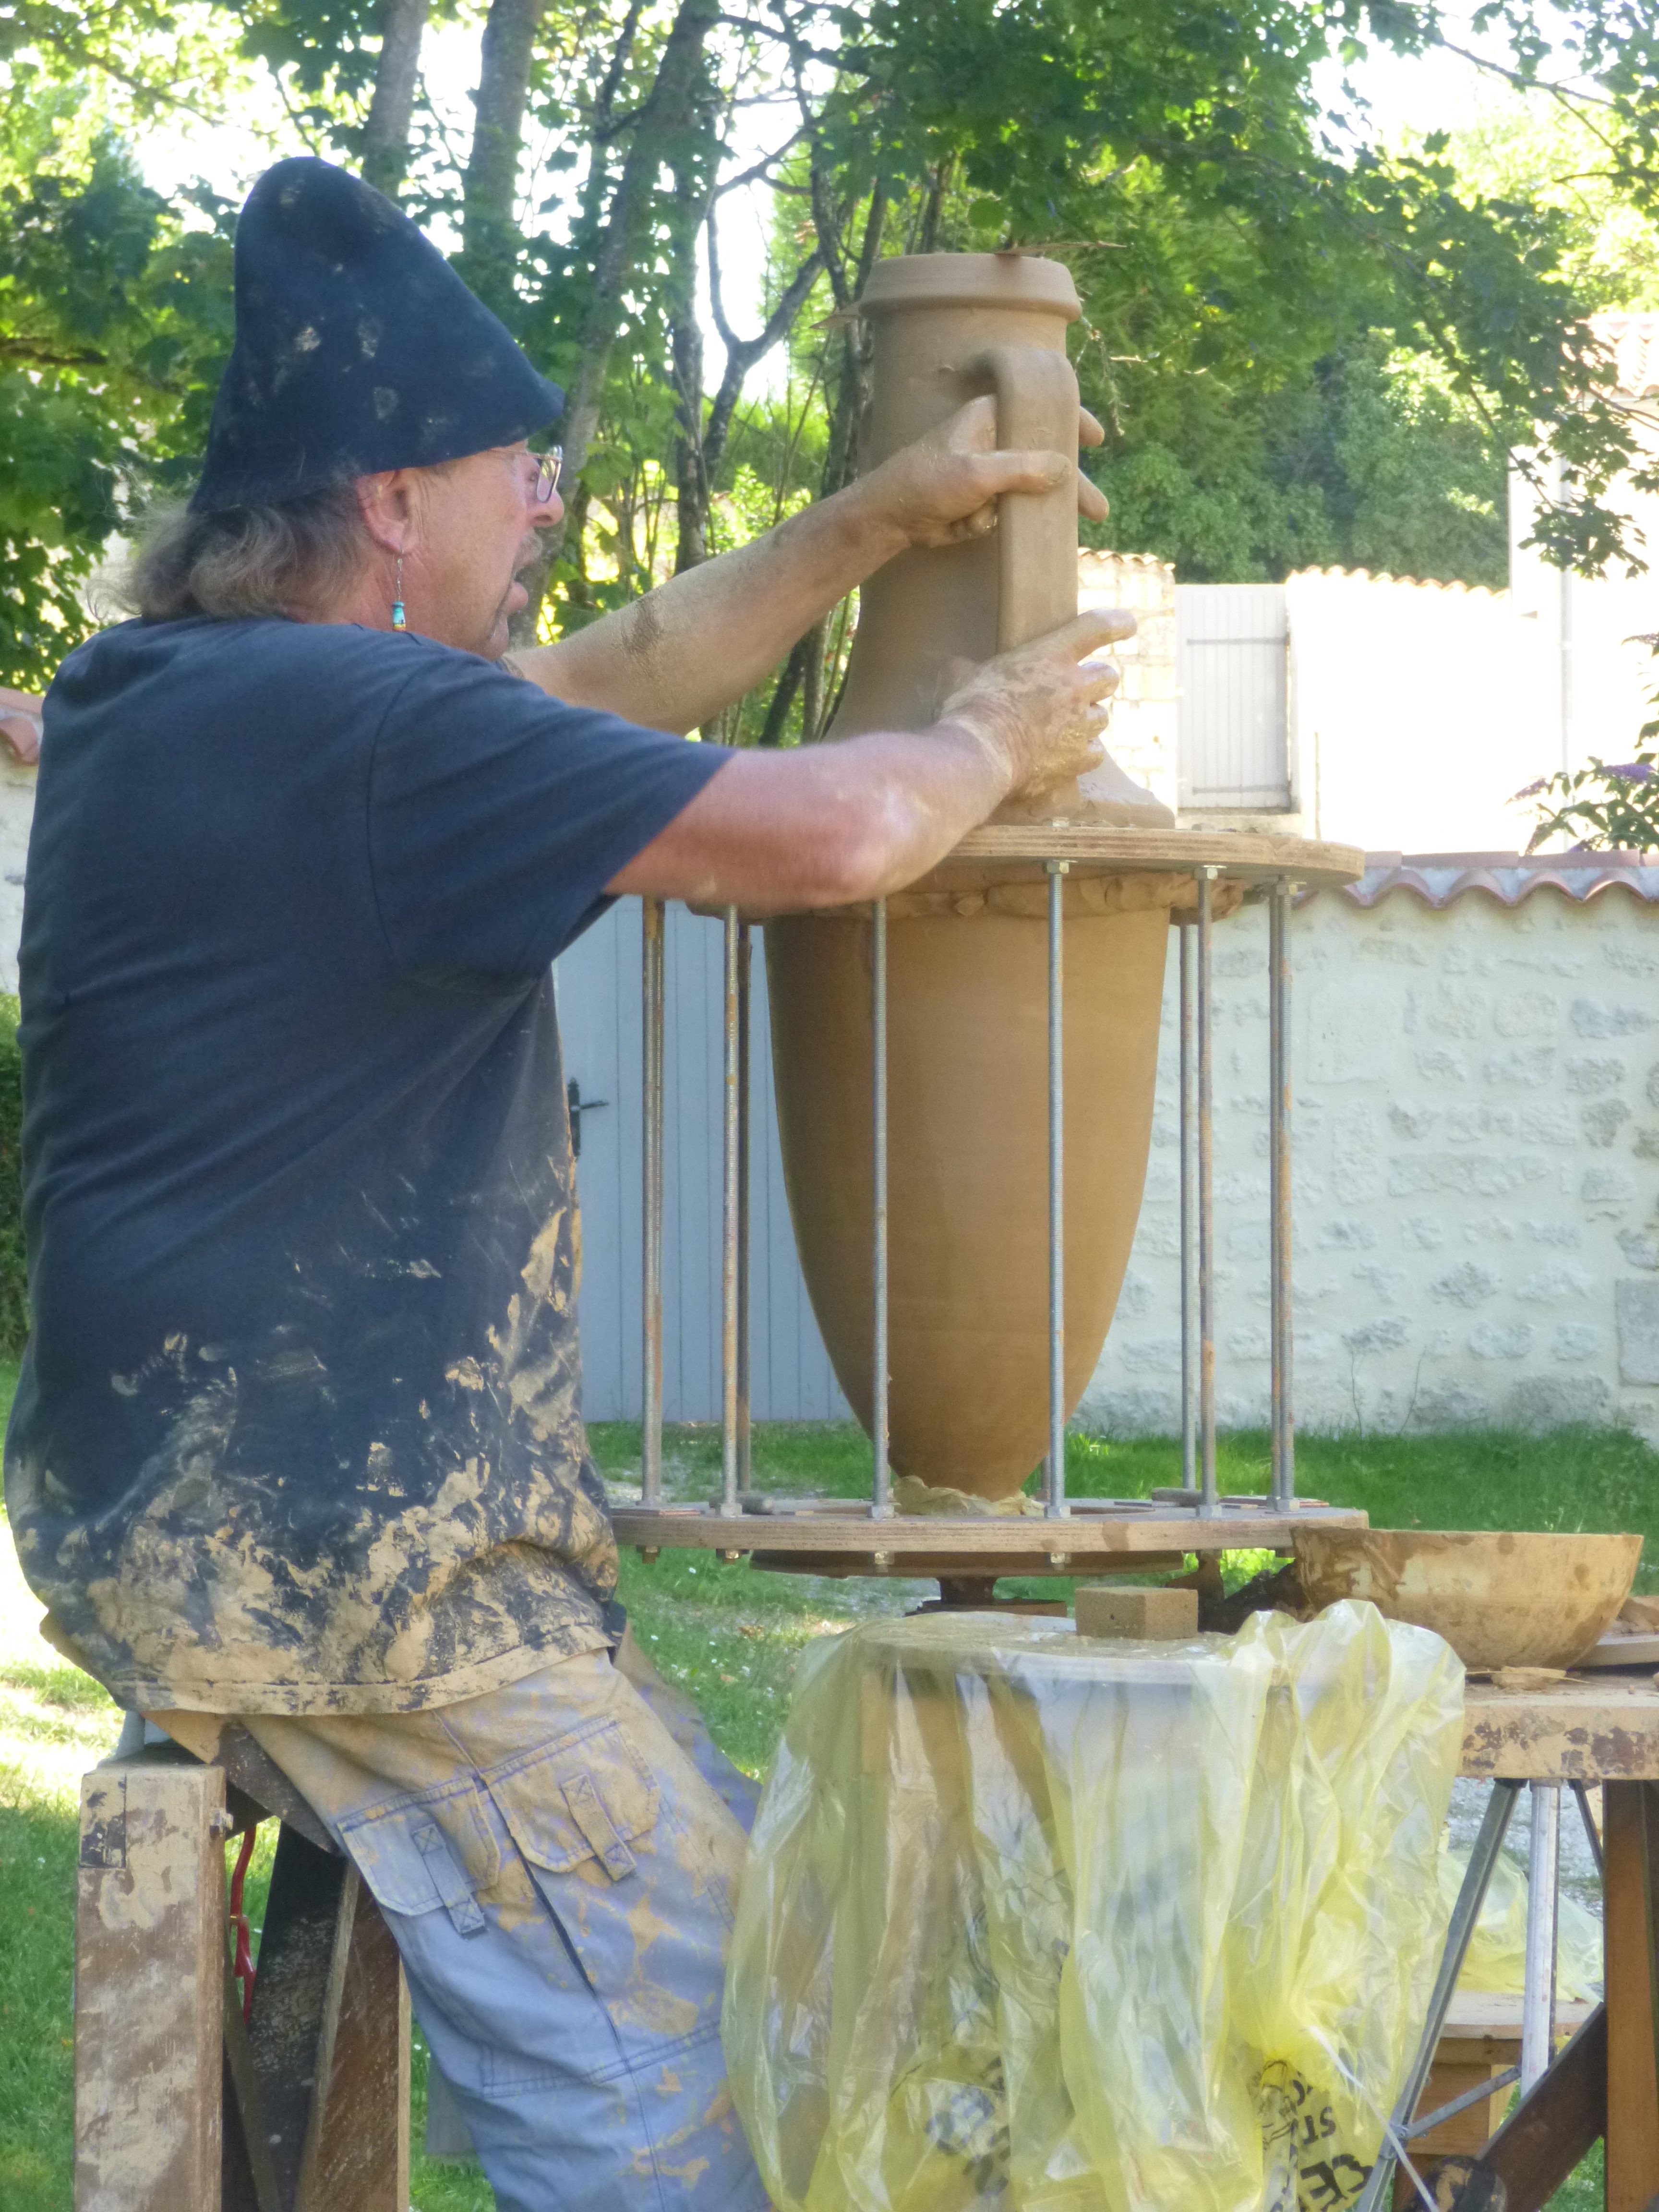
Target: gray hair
[243, 561]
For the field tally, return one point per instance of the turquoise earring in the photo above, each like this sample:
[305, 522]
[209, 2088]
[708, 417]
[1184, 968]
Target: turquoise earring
[398, 620]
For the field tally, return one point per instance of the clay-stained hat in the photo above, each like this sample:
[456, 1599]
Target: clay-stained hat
[357, 349]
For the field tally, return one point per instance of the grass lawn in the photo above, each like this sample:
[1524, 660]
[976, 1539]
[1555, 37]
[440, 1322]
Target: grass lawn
[730, 1636]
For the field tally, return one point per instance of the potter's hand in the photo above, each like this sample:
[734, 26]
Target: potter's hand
[945, 487]
[20, 723]
[1039, 710]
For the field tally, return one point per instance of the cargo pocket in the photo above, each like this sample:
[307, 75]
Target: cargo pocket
[419, 1853]
[582, 1812]
[588, 1796]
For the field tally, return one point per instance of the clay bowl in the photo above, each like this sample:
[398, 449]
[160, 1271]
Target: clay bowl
[1499, 1599]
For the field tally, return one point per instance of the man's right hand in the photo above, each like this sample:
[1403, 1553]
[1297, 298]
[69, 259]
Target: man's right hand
[1041, 710]
[20, 723]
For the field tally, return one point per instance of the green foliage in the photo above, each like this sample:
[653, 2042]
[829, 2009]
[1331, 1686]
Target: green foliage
[1307, 348]
[1358, 461]
[1603, 808]
[114, 326]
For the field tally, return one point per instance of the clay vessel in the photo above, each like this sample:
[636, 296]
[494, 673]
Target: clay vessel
[1499, 1599]
[967, 955]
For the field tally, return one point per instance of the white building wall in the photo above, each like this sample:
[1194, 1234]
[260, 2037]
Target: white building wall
[1477, 1172]
[1412, 713]
[1589, 672]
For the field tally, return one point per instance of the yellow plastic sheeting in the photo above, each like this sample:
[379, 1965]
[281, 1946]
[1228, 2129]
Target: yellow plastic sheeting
[1040, 1923]
[1495, 1961]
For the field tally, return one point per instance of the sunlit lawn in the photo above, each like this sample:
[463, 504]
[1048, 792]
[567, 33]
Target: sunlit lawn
[729, 1635]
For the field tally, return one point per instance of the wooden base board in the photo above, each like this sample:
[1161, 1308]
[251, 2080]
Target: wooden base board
[1085, 1541]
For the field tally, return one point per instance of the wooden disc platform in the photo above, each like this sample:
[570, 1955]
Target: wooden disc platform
[812, 1537]
[1248, 856]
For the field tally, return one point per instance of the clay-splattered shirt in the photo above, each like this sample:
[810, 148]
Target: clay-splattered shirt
[298, 1430]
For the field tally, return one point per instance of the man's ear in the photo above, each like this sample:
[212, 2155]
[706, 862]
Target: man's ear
[386, 505]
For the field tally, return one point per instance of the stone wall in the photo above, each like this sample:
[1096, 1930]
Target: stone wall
[1477, 1163]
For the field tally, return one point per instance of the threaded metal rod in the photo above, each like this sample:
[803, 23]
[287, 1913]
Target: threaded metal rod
[729, 1228]
[881, 1503]
[1055, 1487]
[1207, 1504]
[653, 919]
[1282, 1327]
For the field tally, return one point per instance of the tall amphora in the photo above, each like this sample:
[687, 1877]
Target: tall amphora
[967, 1143]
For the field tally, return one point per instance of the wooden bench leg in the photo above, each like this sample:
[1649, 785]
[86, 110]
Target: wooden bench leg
[329, 2040]
[1631, 1852]
[149, 1949]
[356, 2150]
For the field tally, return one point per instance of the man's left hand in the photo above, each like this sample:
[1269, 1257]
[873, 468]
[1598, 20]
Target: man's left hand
[945, 488]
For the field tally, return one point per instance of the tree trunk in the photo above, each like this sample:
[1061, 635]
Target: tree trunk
[667, 112]
[385, 137]
[691, 486]
[489, 235]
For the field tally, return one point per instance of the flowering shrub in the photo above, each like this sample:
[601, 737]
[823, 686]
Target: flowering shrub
[1605, 806]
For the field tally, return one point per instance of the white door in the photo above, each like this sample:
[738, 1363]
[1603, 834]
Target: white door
[1231, 724]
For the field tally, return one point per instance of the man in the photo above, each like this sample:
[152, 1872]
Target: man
[297, 1437]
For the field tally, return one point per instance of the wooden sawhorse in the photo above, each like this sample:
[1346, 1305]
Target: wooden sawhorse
[178, 2105]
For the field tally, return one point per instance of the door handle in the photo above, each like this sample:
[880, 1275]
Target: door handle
[576, 1106]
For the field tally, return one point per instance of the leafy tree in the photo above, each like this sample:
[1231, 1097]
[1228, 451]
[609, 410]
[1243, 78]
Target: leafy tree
[1304, 346]
[114, 326]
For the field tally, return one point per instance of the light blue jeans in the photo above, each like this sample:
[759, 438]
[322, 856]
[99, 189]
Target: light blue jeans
[558, 1862]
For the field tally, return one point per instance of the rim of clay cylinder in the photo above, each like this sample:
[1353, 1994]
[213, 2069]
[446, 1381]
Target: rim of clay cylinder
[971, 280]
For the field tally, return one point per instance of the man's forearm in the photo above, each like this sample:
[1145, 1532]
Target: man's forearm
[825, 825]
[675, 658]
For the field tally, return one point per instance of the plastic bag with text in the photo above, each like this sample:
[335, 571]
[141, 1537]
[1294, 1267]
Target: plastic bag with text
[1042, 1923]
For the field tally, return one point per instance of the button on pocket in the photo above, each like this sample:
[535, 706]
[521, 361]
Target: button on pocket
[588, 1796]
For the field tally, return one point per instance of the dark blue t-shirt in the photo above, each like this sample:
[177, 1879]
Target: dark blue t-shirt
[298, 1428]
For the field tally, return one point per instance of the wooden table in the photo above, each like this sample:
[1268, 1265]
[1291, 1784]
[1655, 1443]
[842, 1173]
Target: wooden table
[1595, 1729]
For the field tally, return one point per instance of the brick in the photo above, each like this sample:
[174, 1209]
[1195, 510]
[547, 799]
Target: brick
[1164, 1614]
[1494, 1340]
[1593, 1019]
[1551, 1285]
[1603, 1122]
[1526, 1013]
[1469, 1284]
[1639, 1332]
[1522, 1070]
[1596, 1072]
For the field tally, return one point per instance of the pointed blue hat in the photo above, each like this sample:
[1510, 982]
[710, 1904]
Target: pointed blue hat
[357, 349]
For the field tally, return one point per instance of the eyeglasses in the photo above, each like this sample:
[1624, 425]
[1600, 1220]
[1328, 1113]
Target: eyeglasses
[547, 476]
